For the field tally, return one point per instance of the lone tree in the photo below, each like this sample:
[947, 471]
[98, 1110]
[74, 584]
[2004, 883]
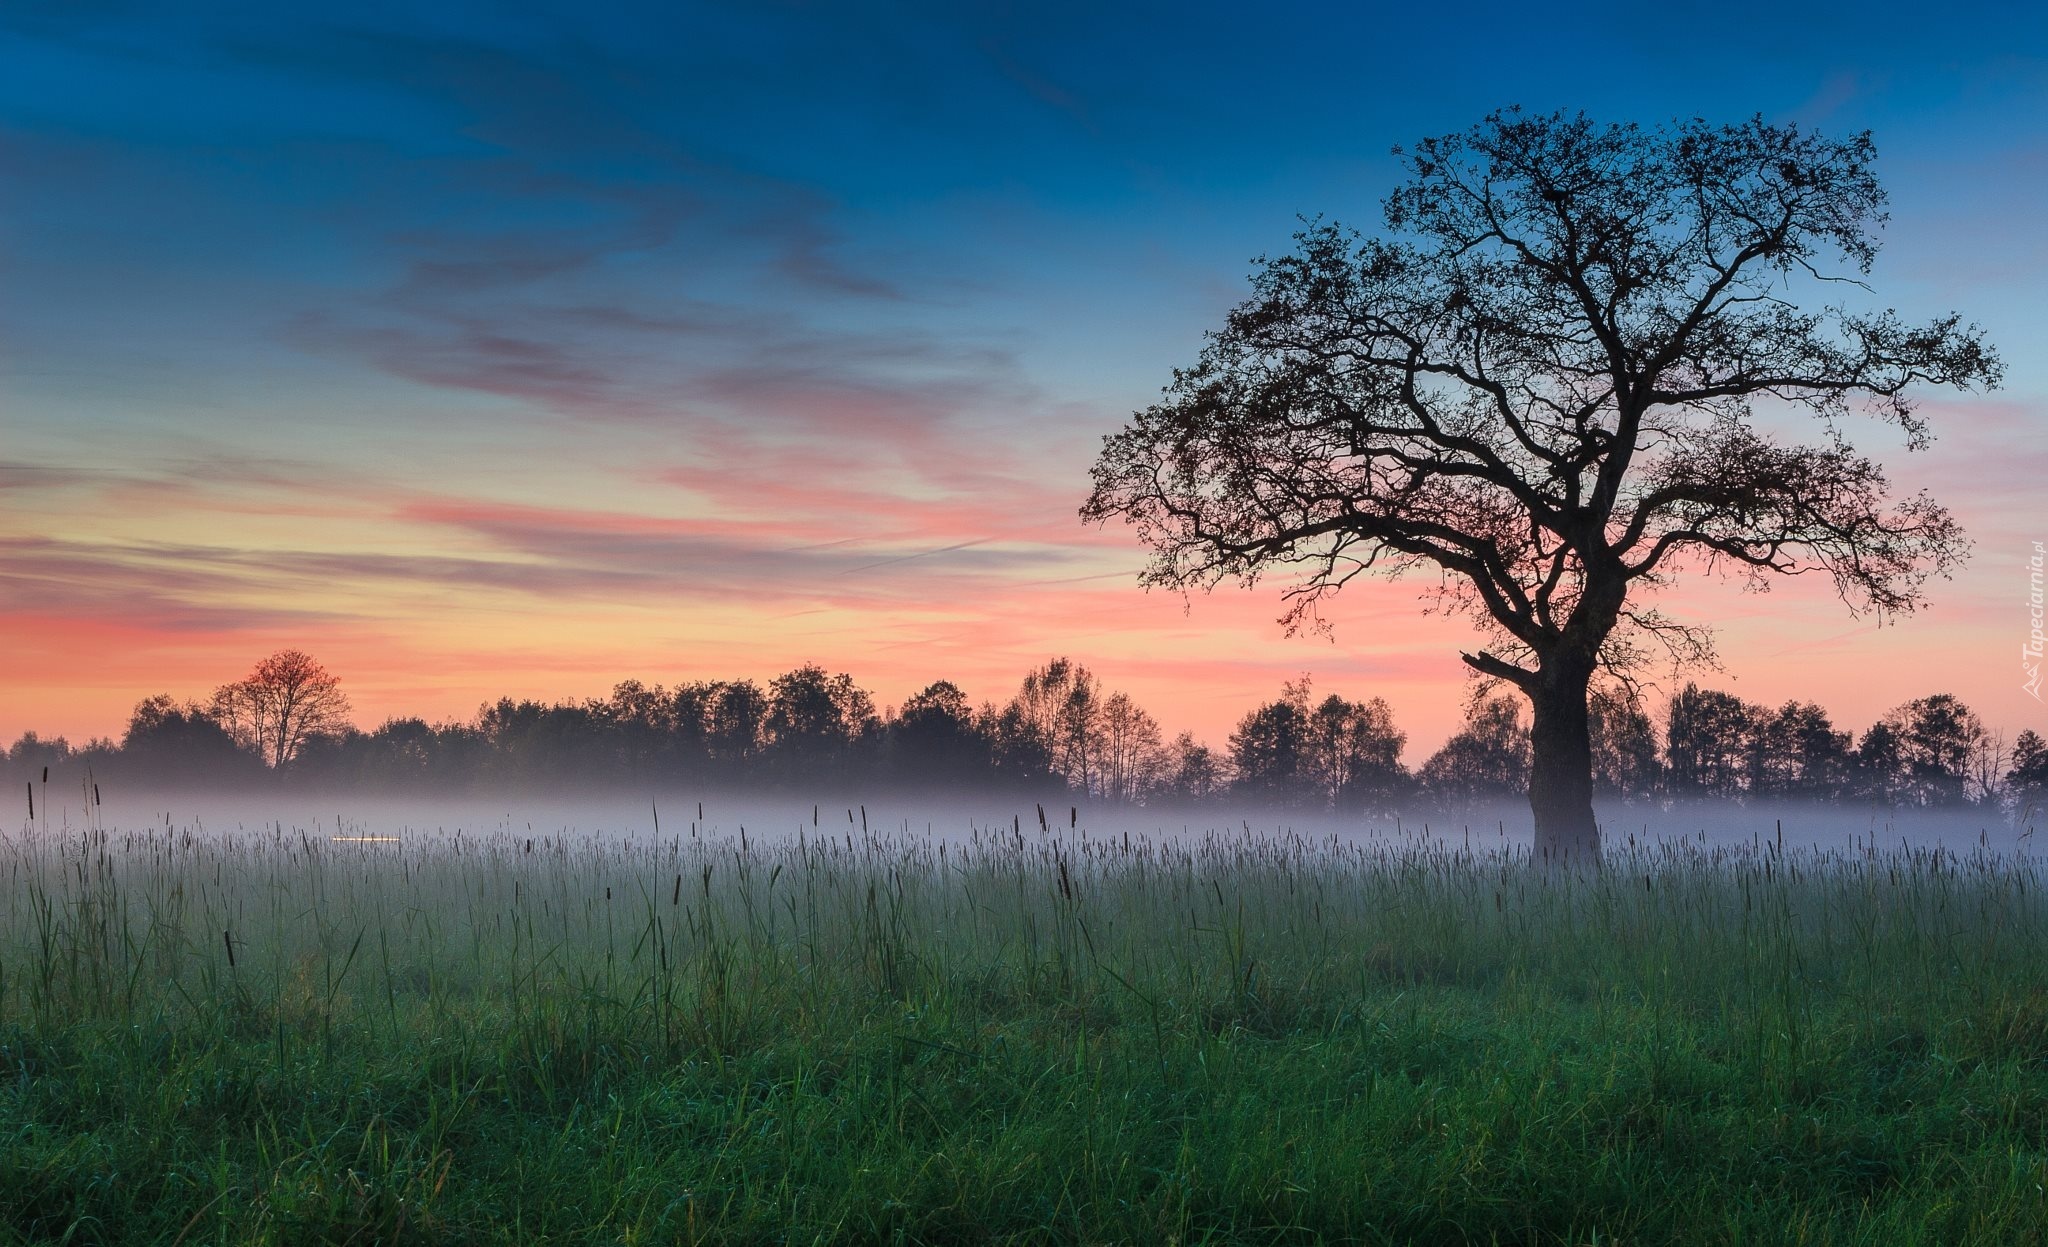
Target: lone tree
[288, 699]
[1569, 371]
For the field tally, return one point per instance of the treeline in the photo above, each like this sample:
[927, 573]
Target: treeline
[1061, 732]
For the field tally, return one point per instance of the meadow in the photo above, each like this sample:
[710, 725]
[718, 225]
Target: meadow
[1017, 1031]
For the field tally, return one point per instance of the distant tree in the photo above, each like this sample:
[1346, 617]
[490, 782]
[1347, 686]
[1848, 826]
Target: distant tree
[1033, 711]
[1798, 753]
[1879, 767]
[1018, 750]
[1191, 771]
[689, 723]
[97, 753]
[1625, 761]
[1269, 751]
[167, 741]
[1129, 754]
[30, 753]
[814, 721]
[2027, 780]
[408, 754]
[1541, 388]
[1488, 759]
[736, 724]
[1988, 762]
[1055, 715]
[1354, 754]
[286, 700]
[641, 718]
[1708, 741]
[343, 759]
[936, 738]
[407, 750]
[1937, 737]
[534, 741]
[31, 750]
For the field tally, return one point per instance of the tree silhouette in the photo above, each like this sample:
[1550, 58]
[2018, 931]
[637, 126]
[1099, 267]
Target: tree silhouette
[936, 739]
[2027, 781]
[1190, 771]
[1544, 386]
[1055, 716]
[1269, 751]
[1489, 757]
[814, 720]
[1709, 743]
[1797, 752]
[1129, 754]
[285, 701]
[737, 711]
[1936, 736]
[170, 742]
[1625, 757]
[1878, 763]
[1354, 754]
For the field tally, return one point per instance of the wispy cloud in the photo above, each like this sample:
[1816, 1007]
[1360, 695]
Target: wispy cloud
[26, 476]
[536, 346]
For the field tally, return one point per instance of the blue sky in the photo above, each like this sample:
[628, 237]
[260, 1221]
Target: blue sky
[600, 312]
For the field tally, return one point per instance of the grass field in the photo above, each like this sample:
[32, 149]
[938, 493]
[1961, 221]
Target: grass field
[1015, 1035]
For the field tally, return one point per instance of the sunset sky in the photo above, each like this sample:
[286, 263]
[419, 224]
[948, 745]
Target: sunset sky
[482, 354]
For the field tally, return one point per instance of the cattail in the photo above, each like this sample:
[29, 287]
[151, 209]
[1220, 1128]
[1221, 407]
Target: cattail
[229, 942]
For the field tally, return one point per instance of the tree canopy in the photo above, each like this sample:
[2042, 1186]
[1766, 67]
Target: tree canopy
[1559, 378]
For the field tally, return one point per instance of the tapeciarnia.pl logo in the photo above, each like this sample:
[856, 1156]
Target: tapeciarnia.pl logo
[2030, 653]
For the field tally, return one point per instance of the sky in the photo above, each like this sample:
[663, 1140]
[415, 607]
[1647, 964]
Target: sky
[518, 350]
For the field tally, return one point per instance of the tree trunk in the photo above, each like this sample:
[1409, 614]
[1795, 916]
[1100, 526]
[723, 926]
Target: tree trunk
[1561, 769]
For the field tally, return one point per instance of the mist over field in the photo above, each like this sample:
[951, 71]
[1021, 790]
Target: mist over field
[608, 817]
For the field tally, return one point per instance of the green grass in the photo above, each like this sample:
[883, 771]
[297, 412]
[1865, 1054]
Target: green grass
[1017, 1038]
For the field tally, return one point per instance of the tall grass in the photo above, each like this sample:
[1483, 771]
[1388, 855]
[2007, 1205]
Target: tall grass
[1025, 1032]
